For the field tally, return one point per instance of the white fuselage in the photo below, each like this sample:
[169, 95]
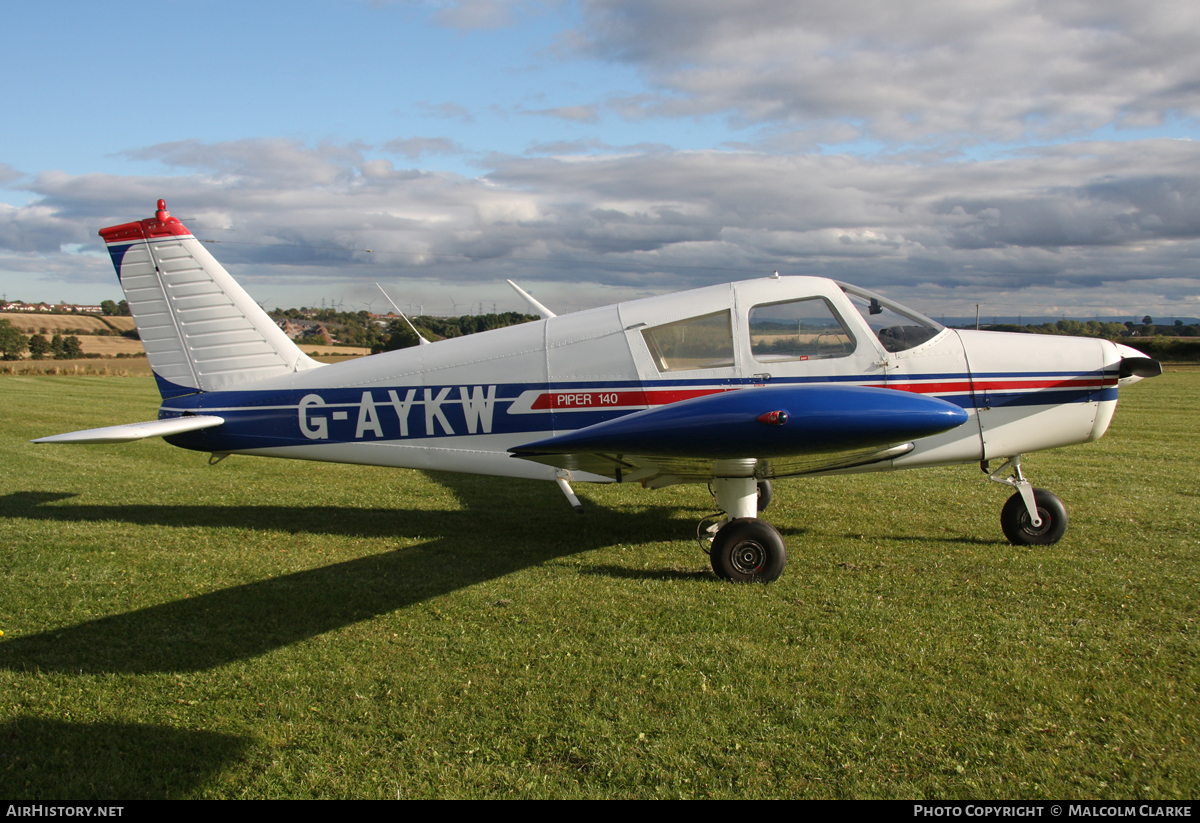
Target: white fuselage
[460, 404]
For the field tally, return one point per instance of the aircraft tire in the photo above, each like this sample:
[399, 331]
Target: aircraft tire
[766, 492]
[1014, 520]
[748, 550]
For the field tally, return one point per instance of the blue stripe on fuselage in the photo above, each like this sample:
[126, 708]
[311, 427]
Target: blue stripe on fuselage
[265, 419]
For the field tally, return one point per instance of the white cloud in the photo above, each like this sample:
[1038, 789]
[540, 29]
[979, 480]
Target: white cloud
[8, 174]
[479, 14]
[1097, 215]
[415, 147]
[577, 114]
[446, 111]
[909, 71]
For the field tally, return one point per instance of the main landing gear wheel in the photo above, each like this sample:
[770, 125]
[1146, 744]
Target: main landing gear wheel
[765, 493]
[748, 550]
[1019, 528]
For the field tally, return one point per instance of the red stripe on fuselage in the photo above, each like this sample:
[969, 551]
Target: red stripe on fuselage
[1013, 384]
[599, 399]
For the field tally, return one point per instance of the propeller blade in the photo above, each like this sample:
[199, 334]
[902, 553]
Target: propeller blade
[1140, 367]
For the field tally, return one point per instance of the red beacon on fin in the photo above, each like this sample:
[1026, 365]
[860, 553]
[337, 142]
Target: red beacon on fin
[161, 225]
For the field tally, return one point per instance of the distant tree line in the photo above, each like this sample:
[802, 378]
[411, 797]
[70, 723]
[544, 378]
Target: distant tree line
[13, 344]
[1172, 343]
[361, 329]
[349, 328]
[400, 336]
[1094, 328]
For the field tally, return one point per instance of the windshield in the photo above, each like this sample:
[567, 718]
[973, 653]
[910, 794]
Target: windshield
[898, 328]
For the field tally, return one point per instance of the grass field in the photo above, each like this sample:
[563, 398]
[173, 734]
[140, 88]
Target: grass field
[266, 628]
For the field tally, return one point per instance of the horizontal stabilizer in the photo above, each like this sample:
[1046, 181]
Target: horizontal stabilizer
[136, 431]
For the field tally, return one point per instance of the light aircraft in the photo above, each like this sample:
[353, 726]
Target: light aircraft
[731, 385]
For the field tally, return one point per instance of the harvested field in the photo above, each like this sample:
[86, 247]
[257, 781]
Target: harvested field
[34, 323]
[334, 351]
[112, 346]
[31, 323]
[120, 323]
[109, 346]
[123, 367]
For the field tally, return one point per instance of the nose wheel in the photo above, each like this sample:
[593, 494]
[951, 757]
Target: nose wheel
[1018, 525]
[1031, 517]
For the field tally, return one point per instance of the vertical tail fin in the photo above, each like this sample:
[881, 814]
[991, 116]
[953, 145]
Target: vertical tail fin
[200, 329]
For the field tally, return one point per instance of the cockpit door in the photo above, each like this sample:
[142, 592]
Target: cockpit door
[803, 330]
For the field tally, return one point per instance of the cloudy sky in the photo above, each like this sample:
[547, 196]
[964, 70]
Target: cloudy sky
[1038, 157]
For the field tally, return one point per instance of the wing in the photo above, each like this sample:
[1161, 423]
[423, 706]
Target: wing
[657, 472]
[784, 430]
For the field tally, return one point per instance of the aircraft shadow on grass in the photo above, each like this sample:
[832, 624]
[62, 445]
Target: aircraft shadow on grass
[61, 760]
[240, 622]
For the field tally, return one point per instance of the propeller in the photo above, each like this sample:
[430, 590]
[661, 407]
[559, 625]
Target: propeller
[1139, 367]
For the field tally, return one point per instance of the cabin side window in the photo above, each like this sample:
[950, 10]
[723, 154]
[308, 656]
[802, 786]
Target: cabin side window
[798, 330]
[704, 342]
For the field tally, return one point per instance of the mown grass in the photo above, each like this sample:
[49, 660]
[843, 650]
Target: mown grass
[267, 628]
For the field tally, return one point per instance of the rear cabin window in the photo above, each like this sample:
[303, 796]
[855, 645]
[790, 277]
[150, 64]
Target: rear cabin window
[798, 330]
[704, 342]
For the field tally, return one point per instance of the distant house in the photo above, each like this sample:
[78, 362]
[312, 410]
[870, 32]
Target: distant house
[304, 329]
[62, 308]
[293, 328]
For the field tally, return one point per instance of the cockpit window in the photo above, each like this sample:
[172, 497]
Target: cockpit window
[704, 342]
[898, 328]
[798, 330]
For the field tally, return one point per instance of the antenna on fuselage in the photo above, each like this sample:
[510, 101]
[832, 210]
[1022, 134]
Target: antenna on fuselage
[421, 341]
[537, 307]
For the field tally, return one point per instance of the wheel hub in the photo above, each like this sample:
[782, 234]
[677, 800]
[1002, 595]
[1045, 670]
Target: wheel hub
[748, 557]
[1027, 524]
